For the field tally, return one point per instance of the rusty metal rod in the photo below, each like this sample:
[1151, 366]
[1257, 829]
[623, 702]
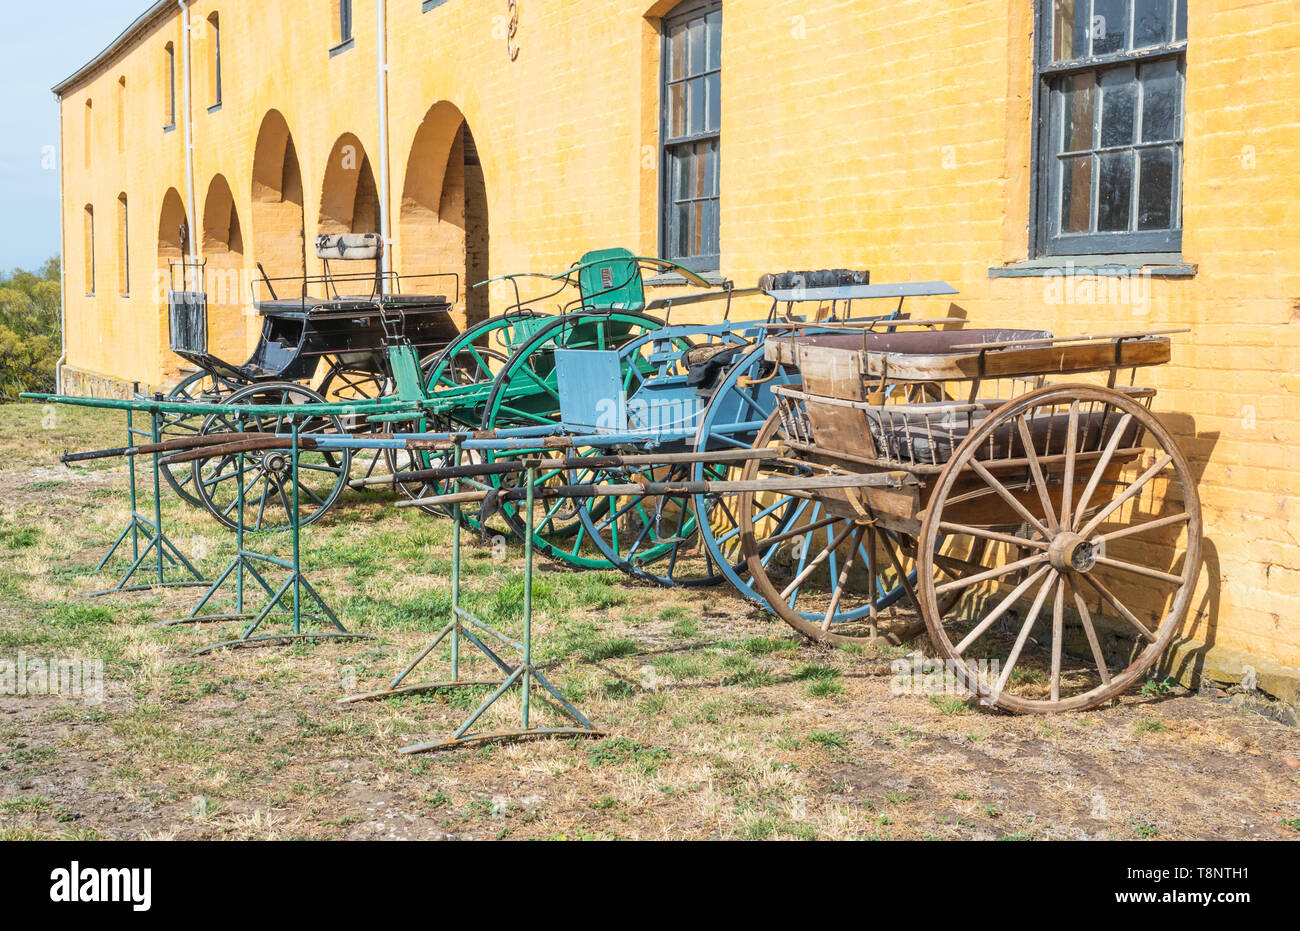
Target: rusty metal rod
[188, 442]
[571, 462]
[652, 489]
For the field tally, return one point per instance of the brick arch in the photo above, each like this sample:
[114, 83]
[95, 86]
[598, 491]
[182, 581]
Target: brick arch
[443, 220]
[225, 279]
[278, 234]
[173, 232]
[349, 196]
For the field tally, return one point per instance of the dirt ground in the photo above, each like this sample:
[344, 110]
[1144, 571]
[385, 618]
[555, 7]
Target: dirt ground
[719, 722]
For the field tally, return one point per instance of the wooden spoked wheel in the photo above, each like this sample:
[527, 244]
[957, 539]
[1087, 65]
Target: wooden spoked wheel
[267, 476]
[828, 575]
[1087, 519]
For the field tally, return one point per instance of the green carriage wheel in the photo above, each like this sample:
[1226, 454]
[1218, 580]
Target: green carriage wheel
[475, 357]
[527, 394]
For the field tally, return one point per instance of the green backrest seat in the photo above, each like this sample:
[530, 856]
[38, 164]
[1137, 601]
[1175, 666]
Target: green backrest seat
[405, 366]
[610, 279]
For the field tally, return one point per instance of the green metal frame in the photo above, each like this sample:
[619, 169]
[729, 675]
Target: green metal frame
[295, 590]
[474, 630]
[144, 529]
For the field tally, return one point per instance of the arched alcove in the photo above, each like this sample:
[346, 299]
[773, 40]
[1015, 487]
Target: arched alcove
[443, 218]
[349, 197]
[278, 238]
[229, 303]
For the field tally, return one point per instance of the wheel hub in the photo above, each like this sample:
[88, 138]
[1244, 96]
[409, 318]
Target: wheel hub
[277, 463]
[1069, 551]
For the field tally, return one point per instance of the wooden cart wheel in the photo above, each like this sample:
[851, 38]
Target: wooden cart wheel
[828, 576]
[267, 477]
[203, 387]
[1092, 529]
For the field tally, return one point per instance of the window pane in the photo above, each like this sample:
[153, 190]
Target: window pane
[698, 39]
[682, 169]
[1076, 194]
[697, 105]
[1070, 30]
[677, 47]
[1152, 22]
[1155, 197]
[1109, 26]
[1114, 191]
[1078, 92]
[715, 40]
[1160, 101]
[1180, 27]
[699, 185]
[1118, 107]
[713, 187]
[677, 110]
[683, 229]
[711, 228]
[714, 122]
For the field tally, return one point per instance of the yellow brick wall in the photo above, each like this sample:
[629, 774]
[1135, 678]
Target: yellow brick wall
[889, 136]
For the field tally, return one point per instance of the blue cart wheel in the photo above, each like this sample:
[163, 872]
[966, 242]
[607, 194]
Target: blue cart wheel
[813, 566]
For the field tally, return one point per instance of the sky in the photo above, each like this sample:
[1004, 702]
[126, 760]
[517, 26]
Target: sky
[40, 45]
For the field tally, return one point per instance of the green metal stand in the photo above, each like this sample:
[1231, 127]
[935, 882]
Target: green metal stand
[465, 625]
[292, 593]
[144, 530]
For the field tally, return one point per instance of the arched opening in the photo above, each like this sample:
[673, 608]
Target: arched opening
[444, 211]
[349, 198]
[279, 241]
[223, 247]
[173, 234]
[173, 246]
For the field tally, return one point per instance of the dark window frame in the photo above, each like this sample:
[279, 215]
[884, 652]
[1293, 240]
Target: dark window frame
[214, 23]
[170, 49]
[1045, 238]
[669, 144]
[345, 21]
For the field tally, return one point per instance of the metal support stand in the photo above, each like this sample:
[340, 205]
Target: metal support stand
[473, 630]
[149, 531]
[292, 592]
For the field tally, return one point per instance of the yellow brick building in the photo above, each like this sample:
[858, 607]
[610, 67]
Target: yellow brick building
[1080, 165]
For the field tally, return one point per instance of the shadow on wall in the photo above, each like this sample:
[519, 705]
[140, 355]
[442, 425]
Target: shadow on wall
[1199, 629]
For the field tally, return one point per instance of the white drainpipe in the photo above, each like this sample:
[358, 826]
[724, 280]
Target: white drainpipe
[63, 269]
[189, 138]
[381, 44]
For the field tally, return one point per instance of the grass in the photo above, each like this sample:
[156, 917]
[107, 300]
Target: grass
[831, 739]
[1150, 726]
[718, 721]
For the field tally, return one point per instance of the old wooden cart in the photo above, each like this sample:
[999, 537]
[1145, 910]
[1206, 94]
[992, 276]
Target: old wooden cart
[1044, 510]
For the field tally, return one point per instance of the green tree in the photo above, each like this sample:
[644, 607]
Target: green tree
[30, 340]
